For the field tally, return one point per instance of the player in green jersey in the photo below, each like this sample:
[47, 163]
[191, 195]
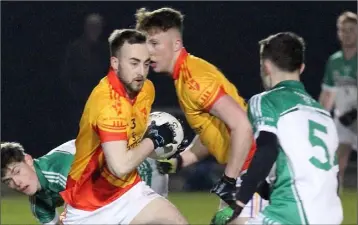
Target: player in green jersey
[339, 88]
[41, 179]
[296, 138]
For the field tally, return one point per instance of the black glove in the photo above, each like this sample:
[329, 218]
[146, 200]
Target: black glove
[181, 147]
[348, 118]
[160, 135]
[172, 165]
[226, 190]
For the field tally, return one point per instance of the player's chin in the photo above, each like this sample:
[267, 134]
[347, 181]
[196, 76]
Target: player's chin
[137, 87]
[29, 191]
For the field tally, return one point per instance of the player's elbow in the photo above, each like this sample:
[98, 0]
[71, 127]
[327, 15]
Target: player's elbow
[241, 125]
[120, 170]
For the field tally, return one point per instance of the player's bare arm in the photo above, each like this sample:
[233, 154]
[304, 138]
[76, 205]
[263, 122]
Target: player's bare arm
[327, 99]
[192, 154]
[122, 161]
[227, 110]
[195, 152]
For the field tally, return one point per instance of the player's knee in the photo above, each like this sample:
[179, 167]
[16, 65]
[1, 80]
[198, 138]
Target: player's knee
[171, 215]
[160, 211]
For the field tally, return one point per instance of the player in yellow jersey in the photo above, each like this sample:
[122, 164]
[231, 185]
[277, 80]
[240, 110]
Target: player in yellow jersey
[212, 105]
[103, 185]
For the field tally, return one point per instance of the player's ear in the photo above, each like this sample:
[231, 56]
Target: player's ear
[177, 44]
[29, 160]
[114, 62]
[267, 67]
[302, 68]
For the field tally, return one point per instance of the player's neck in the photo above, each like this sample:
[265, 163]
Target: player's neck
[283, 76]
[174, 61]
[349, 52]
[131, 95]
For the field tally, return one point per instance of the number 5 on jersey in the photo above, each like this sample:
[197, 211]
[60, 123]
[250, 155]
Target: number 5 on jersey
[317, 141]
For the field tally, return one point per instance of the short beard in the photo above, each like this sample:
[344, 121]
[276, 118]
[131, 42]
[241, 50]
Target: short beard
[131, 93]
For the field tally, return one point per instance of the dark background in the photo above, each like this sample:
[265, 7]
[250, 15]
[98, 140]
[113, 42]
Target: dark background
[34, 37]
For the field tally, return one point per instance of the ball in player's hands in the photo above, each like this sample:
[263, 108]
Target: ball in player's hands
[178, 132]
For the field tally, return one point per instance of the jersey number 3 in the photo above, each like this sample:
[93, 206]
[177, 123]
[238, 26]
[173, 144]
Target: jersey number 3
[317, 141]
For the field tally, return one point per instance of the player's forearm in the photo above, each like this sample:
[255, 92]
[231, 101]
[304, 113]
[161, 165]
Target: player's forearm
[241, 141]
[130, 159]
[194, 153]
[260, 167]
[326, 99]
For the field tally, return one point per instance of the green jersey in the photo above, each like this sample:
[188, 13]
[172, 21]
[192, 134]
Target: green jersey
[341, 76]
[52, 170]
[305, 187]
[149, 173]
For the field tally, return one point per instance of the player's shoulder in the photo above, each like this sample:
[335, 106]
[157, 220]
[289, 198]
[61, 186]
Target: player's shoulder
[147, 92]
[101, 97]
[101, 88]
[58, 159]
[201, 68]
[100, 93]
[67, 148]
[268, 98]
[148, 87]
[265, 96]
[338, 55]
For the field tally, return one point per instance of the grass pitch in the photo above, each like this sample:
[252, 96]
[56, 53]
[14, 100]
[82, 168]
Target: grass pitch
[198, 208]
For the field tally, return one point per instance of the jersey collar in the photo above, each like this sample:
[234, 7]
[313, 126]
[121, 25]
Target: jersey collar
[182, 56]
[291, 84]
[118, 86]
[42, 179]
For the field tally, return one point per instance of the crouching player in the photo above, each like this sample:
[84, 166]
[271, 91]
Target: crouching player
[103, 185]
[41, 179]
[212, 105]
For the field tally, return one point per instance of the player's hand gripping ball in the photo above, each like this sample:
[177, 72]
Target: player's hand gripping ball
[178, 132]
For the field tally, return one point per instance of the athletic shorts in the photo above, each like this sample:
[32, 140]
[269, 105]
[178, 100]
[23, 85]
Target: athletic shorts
[150, 175]
[121, 211]
[346, 135]
[262, 220]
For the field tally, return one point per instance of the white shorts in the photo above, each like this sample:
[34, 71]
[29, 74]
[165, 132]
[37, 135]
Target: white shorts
[149, 173]
[345, 135]
[121, 211]
[261, 220]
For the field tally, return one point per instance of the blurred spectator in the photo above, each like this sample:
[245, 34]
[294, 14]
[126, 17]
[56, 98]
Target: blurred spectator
[86, 62]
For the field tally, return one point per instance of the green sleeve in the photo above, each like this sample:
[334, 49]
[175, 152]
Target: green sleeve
[262, 114]
[328, 75]
[58, 170]
[43, 210]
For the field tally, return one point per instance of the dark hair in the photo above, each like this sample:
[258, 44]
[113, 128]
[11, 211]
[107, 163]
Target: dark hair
[163, 19]
[347, 17]
[11, 152]
[119, 37]
[286, 50]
